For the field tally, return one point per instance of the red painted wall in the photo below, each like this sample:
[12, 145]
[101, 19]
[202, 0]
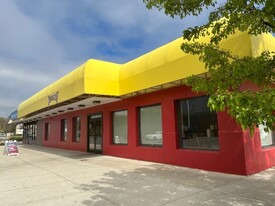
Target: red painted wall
[256, 157]
[54, 139]
[229, 159]
[238, 153]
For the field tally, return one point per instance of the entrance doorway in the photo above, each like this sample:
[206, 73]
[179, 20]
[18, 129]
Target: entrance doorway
[95, 133]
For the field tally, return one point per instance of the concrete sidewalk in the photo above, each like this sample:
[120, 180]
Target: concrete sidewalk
[47, 176]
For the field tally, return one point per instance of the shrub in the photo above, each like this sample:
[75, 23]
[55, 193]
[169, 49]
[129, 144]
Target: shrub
[17, 138]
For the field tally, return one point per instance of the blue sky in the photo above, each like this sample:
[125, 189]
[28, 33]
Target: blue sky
[42, 40]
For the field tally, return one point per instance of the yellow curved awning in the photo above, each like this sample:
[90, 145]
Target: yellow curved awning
[168, 63]
[158, 67]
[93, 77]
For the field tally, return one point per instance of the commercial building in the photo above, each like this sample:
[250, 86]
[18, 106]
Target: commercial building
[142, 110]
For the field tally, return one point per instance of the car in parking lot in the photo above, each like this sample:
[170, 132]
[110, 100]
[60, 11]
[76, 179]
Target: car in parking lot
[3, 138]
[154, 136]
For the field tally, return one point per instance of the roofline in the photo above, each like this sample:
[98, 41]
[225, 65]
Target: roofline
[144, 74]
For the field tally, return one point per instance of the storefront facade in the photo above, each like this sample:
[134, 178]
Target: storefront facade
[142, 110]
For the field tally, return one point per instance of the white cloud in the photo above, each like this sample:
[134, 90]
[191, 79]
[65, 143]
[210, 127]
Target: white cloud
[14, 75]
[24, 38]
[42, 40]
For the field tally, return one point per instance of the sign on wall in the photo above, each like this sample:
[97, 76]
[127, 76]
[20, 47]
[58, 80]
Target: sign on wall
[53, 97]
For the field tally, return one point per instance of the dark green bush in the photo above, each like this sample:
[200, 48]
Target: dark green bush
[17, 138]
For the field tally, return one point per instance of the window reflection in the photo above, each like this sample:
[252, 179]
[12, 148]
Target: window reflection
[267, 137]
[151, 125]
[64, 130]
[197, 125]
[29, 131]
[77, 129]
[120, 127]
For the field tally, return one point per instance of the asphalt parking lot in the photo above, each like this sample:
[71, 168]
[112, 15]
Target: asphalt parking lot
[48, 176]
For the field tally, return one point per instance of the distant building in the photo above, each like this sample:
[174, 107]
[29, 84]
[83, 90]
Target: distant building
[13, 119]
[142, 110]
[19, 129]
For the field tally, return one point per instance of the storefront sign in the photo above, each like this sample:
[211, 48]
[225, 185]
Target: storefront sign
[11, 148]
[53, 97]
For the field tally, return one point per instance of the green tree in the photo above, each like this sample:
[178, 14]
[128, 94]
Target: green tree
[3, 122]
[227, 72]
[5, 127]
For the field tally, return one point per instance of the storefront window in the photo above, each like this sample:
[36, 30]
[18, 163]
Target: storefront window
[120, 127]
[197, 125]
[34, 130]
[150, 121]
[29, 131]
[64, 130]
[47, 131]
[25, 131]
[267, 137]
[77, 127]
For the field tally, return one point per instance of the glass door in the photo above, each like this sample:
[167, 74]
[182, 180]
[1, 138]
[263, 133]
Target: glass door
[95, 133]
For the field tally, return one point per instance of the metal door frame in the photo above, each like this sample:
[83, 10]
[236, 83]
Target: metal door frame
[100, 116]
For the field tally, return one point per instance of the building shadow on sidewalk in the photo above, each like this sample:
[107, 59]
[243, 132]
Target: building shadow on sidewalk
[157, 184]
[59, 152]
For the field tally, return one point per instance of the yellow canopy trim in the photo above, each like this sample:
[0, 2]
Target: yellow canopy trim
[163, 65]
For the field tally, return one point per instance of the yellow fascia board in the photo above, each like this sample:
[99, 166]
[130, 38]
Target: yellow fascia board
[67, 87]
[162, 65]
[93, 77]
[101, 78]
[261, 43]
[169, 63]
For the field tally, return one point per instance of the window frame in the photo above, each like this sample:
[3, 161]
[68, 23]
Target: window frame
[113, 127]
[179, 124]
[76, 130]
[30, 130]
[47, 131]
[139, 126]
[64, 130]
[272, 138]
